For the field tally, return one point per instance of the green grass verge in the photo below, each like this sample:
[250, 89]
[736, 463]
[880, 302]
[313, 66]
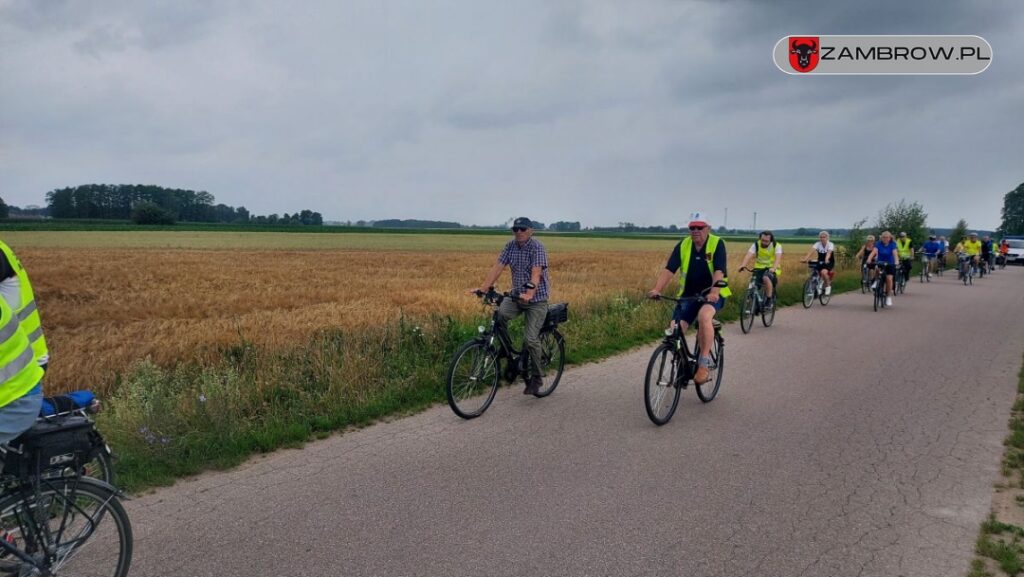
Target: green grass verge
[168, 422]
[1003, 543]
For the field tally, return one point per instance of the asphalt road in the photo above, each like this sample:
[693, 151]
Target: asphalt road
[843, 442]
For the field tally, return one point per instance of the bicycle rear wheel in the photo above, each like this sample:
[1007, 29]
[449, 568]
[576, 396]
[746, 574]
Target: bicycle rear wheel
[661, 392]
[554, 360]
[809, 293]
[76, 522]
[747, 312]
[99, 467]
[472, 379]
[709, 390]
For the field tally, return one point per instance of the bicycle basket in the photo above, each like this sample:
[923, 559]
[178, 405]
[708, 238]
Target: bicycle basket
[51, 444]
[557, 314]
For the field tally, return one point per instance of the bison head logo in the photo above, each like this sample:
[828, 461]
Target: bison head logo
[803, 53]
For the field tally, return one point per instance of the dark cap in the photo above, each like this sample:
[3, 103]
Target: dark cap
[523, 222]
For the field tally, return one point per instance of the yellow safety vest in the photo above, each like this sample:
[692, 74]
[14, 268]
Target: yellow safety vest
[27, 312]
[765, 256]
[903, 248]
[685, 250]
[19, 372]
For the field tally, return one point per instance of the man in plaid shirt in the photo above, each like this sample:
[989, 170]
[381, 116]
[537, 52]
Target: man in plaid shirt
[528, 261]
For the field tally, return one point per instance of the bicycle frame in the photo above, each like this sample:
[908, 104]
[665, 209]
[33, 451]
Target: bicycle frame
[517, 357]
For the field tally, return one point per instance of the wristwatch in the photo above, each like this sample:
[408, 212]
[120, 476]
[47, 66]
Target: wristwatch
[530, 285]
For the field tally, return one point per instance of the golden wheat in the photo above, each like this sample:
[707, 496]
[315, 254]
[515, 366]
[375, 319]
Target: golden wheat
[180, 298]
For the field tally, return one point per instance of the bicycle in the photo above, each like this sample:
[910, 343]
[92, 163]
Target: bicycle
[476, 368]
[941, 266]
[99, 462]
[865, 278]
[965, 269]
[926, 268]
[879, 291]
[62, 524]
[899, 285]
[813, 288]
[755, 303]
[662, 389]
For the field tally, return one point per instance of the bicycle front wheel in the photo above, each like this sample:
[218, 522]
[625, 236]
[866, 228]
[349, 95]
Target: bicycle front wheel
[74, 525]
[809, 293]
[661, 393]
[768, 315]
[472, 379]
[709, 390]
[553, 345]
[747, 312]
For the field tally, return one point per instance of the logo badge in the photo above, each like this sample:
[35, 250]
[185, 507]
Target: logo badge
[803, 53]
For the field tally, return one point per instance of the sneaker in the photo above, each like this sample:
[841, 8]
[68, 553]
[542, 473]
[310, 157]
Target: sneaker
[828, 290]
[888, 301]
[874, 284]
[533, 385]
[703, 375]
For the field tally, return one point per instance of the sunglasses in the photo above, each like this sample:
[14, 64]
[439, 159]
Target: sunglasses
[518, 228]
[692, 228]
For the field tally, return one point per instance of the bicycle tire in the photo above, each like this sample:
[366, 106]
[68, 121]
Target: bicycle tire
[482, 376]
[768, 315]
[864, 281]
[661, 388]
[747, 311]
[707, 392]
[808, 293]
[824, 298]
[80, 512]
[553, 344]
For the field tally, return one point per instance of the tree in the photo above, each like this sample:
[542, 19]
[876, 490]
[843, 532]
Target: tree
[904, 217]
[1013, 211]
[5, 211]
[856, 235]
[959, 232]
[150, 213]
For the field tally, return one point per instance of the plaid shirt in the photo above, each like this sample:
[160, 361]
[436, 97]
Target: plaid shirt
[522, 259]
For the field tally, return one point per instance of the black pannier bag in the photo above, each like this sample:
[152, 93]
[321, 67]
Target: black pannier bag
[53, 444]
[557, 313]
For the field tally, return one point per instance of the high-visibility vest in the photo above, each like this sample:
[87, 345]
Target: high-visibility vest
[686, 249]
[972, 248]
[765, 256]
[903, 247]
[27, 311]
[19, 372]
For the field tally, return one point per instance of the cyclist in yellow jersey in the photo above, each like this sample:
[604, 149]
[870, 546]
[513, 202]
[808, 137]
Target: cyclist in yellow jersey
[905, 248]
[972, 247]
[767, 257]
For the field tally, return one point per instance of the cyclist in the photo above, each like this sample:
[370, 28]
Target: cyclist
[701, 261]
[767, 256]
[931, 250]
[17, 291]
[886, 255]
[943, 249]
[528, 261]
[1004, 250]
[826, 259]
[971, 248]
[864, 253]
[988, 252]
[21, 394]
[905, 247]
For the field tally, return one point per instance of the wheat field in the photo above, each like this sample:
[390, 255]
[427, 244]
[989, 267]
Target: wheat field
[108, 299]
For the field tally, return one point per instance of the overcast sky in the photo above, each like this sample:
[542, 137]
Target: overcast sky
[475, 111]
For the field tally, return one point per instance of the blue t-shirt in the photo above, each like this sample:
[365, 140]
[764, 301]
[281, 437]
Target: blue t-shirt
[886, 254]
[932, 247]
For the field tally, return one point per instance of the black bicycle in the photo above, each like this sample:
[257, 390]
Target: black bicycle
[884, 271]
[480, 363]
[674, 364]
[755, 303]
[965, 268]
[899, 285]
[865, 278]
[814, 286]
[59, 524]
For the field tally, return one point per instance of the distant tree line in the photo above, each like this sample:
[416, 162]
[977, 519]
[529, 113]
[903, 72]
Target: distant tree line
[151, 204]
